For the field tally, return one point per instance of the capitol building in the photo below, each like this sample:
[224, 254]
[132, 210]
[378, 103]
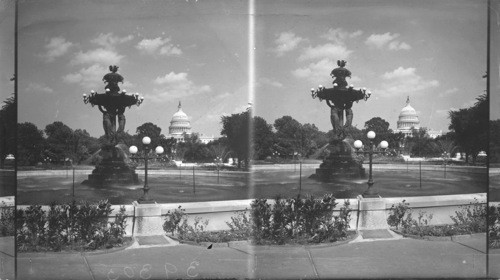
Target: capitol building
[408, 120]
[180, 125]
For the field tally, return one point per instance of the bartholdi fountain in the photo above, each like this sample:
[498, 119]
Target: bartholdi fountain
[115, 168]
[341, 161]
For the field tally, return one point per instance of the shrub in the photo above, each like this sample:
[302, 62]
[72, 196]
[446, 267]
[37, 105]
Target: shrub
[298, 218]
[397, 214]
[494, 227]
[83, 226]
[173, 220]
[34, 230]
[240, 226]
[260, 212]
[472, 218]
[7, 227]
[288, 220]
[468, 219]
[117, 227]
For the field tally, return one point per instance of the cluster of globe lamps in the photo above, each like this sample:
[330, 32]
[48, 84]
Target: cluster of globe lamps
[371, 150]
[146, 141]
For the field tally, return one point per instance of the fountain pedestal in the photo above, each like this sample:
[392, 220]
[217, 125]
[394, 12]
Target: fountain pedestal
[372, 213]
[341, 162]
[148, 220]
[114, 169]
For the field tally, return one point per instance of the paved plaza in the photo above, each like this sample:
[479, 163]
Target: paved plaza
[361, 258]
[7, 257]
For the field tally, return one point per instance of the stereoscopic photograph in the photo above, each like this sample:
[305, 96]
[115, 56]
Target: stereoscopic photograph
[221, 139]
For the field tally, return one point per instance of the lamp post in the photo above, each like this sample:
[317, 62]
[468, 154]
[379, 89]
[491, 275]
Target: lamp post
[133, 150]
[218, 163]
[446, 157]
[371, 150]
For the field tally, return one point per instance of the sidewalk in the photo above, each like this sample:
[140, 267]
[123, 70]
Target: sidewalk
[360, 258]
[7, 256]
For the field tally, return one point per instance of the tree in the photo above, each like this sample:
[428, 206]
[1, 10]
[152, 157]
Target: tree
[83, 145]
[169, 145]
[219, 149]
[383, 132]
[290, 136]
[311, 139]
[263, 138]
[471, 127]
[420, 144]
[8, 119]
[236, 128]
[446, 146]
[60, 141]
[30, 144]
[378, 125]
[152, 131]
[193, 149]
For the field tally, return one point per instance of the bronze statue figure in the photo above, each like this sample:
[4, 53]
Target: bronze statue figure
[112, 104]
[340, 73]
[340, 99]
[112, 79]
[114, 167]
[341, 160]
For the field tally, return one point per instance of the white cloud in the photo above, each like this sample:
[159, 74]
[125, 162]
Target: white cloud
[267, 81]
[468, 104]
[404, 81]
[386, 40]
[316, 72]
[223, 95]
[339, 36]
[109, 40]
[99, 55]
[235, 101]
[327, 50]
[151, 46]
[88, 77]
[445, 112]
[354, 79]
[38, 88]
[56, 47]
[286, 41]
[399, 73]
[380, 40]
[396, 46]
[175, 85]
[448, 92]
[170, 50]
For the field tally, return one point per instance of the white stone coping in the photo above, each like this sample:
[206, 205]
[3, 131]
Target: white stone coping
[494, 171]
[243, 205]
[7, 201]
[494, 203]
[437, 200]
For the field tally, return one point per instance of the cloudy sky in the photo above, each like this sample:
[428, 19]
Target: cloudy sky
[6, 48]
[432, 51]
[197, 52]
[167, 51]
